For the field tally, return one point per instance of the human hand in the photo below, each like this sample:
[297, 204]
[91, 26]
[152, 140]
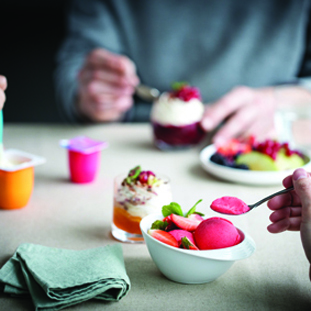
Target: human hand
[292, 211]
[106, 85]
[249, 112]
[3, 86]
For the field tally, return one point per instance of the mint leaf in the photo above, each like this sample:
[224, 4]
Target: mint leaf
[185, 243]
[178, 85]
[159, 224]
[172, 208]
[134, 173]
[192, 210]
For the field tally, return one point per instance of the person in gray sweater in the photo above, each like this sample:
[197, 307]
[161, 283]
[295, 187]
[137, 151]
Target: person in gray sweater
[246, 57]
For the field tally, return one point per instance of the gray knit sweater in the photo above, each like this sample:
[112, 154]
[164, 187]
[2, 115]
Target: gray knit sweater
[212, 44]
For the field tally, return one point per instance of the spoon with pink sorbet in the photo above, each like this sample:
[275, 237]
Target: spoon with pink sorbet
[235, 206]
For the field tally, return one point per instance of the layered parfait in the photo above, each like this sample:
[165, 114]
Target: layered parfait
[137, 195]
[176, 117]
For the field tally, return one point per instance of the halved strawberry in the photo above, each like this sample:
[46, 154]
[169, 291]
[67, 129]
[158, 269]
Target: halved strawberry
[195, 217]
[187, 244]
[185, 223]
[163, 236]
[167, 219]
[179, 234]
[170, 224]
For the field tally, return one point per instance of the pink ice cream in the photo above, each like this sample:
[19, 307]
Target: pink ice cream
[216, 232]
[229, 205]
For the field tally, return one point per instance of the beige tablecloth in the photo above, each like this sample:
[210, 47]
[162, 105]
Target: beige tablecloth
[66, 215]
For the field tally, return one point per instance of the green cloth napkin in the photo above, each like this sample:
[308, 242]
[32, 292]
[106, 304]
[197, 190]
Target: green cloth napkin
[58, 278]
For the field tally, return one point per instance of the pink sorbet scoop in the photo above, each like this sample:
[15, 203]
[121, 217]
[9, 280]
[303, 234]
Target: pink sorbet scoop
[216, 232]
[229, 205]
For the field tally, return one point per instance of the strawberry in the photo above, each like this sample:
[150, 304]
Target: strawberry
[179, 234]
[195, 217]
[187, 244]
[185, 223]
[163, 237]
[233, 147]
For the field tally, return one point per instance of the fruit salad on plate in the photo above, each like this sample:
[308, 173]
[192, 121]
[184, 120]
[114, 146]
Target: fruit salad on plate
[191, 231]
[268, 155]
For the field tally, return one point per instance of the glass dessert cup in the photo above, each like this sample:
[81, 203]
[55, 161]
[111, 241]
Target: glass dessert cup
[130, 206]
[17, 179]
[170, 137]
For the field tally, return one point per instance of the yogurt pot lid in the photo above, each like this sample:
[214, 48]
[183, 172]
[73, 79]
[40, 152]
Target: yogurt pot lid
[83, 144]
[20, 160]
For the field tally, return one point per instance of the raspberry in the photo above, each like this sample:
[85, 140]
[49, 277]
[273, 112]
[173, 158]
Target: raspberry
[272, 147]
[186, 93]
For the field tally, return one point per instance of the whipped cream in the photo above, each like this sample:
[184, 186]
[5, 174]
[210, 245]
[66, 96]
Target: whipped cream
[174, 111]
[138, 201]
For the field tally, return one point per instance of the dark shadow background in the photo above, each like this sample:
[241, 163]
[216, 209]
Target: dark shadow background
[31, 33]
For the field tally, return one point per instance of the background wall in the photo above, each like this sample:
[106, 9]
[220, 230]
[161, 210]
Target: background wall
[31, 31]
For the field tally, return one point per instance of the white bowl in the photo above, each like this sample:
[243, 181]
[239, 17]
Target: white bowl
[260, 178]
[189, 266]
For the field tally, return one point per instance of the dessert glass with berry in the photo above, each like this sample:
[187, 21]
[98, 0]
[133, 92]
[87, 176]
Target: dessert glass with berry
[176, 117]
[136, 195]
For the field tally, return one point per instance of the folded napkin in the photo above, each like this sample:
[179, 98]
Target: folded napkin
[58, 278]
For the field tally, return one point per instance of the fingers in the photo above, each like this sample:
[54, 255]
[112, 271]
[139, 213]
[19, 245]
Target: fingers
[244, 123]
[287, 181]
[290, 199]
[3, 86]
[103, 108]
[88, 74]
[96, 87]
[285, 212]
[225, 107]
[106, 85]
[120, 69]
[290, 224]
[245, 111]
[302, 185]
[3, 83]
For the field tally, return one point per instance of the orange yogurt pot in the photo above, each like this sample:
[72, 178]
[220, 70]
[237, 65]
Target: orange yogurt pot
[17, 178]
[134, 202]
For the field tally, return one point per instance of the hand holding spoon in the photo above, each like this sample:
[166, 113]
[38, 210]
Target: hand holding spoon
[235, 206]
[147, 93]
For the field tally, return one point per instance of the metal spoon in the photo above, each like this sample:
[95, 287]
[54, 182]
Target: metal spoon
[228, 209]
[251, 206]
[147, 93]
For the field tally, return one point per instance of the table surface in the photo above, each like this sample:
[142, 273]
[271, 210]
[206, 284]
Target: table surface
[74, 216]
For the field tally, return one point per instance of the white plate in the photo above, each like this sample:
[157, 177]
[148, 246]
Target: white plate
[263, 178]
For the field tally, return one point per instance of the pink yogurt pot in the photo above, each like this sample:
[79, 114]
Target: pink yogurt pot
[83, 158]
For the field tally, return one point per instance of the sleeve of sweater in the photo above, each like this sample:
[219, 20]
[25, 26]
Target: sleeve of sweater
[90, 24]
